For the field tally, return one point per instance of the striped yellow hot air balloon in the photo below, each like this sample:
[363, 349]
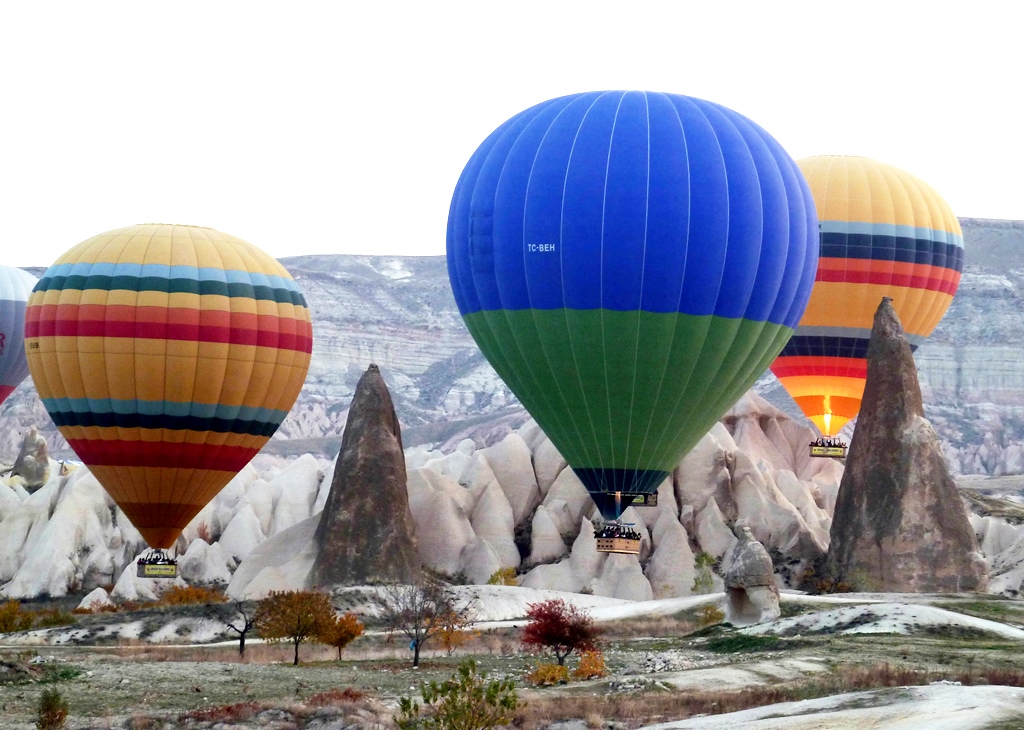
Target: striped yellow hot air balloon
[167, 356]
[884, 233]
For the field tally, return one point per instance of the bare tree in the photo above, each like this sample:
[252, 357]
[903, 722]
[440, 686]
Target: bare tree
[239, 619]
[419, 611]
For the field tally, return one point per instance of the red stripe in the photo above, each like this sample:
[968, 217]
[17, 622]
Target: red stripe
[164, 323]
[844, 367]
[6, 390]
[932, 278]
[98, 452]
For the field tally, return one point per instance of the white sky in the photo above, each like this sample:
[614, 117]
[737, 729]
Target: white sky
[342, 127]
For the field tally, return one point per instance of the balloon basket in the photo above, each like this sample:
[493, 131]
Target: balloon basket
[621, 545]
[157, 564]
[828, 448]
[617, 537]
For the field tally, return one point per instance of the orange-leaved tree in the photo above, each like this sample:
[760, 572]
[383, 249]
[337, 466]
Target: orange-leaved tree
[341, 632]
[294, 616]
[561, 627]
[456, 630]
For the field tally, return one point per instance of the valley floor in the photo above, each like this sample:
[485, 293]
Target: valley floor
[830, 662]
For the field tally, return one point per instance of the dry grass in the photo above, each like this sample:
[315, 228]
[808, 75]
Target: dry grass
[643, 626]
[647, 708]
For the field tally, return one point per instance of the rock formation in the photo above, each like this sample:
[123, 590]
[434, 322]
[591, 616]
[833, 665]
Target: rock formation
[366, 532]
[751, 590]
[899, 522]
[33, 462]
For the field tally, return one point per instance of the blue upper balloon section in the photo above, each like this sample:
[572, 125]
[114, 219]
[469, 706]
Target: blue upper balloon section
[15, 288]
[630, 200]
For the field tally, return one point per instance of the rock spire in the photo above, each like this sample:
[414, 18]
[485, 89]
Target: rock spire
[366, 532]
[899, 523]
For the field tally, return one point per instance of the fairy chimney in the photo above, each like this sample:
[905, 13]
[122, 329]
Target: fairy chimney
[899, 523]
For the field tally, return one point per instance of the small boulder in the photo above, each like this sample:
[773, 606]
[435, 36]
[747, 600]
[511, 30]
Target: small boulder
[33, 462]
[752, 592]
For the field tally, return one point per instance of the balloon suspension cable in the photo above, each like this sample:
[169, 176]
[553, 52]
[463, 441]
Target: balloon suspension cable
[156, 556]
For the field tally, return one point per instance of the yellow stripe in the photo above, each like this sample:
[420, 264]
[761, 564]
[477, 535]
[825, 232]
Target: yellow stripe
[840, 304]
[803, 385]
[168, 370]
[160, 435]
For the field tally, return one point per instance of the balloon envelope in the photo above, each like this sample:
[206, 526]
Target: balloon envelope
[15, 288]
[630, 263]
[884, 233]
[167, 356]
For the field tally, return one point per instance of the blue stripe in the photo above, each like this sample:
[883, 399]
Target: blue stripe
[889, 248]
[828, 347]
[633, 200]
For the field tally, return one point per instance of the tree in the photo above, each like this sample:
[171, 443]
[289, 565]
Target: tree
[560, 627]
[455, 630]
[418, 611]
[464, 702]
[293, 616]
[239, 619]
[341, 632]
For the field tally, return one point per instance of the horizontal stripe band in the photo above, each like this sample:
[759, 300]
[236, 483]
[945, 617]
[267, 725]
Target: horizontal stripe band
[836, 405]
[893, 273]
[827, 347]
[163, 271]
[171, 423]
[163, 407]
[891, 230]
[288, 334]
[159, 454]
[248, 290]
[846, 367]
[851, 332]
[887, 248]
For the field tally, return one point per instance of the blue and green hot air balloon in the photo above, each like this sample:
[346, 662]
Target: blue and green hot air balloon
[630, 262]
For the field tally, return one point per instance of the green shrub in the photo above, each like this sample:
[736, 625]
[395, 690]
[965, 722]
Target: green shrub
[467, 701]
[53, 710]
[703, 581]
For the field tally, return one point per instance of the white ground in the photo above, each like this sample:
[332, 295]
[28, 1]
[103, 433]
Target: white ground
[883, 618]
[935, 707]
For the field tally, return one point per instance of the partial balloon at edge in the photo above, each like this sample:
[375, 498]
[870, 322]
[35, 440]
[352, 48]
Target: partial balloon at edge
[15, 288]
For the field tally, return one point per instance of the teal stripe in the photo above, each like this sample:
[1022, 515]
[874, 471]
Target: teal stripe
[168, 408]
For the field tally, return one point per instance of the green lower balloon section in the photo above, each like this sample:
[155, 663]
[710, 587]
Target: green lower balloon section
[625, 390]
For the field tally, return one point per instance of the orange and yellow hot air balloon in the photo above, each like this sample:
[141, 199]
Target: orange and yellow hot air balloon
[167, 356]
[884, 233]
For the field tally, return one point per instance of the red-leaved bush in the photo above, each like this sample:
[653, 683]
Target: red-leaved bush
[559, 627]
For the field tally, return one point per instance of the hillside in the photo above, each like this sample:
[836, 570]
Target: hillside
[399, 313]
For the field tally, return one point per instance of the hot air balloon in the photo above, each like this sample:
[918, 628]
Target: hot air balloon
[167, 356]
[630, 263]
[884, 233]
[15, 287]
